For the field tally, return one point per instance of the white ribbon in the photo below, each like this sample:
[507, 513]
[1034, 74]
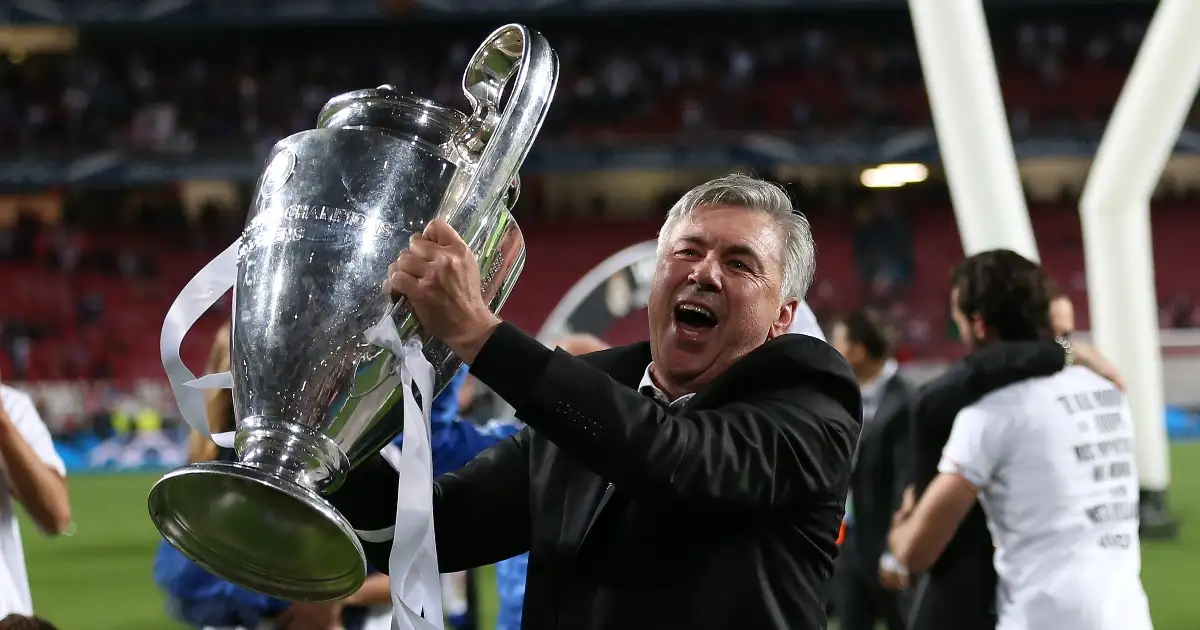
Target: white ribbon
[217, 277]
[415, 582]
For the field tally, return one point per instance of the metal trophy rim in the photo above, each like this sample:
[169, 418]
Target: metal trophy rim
[172, 522]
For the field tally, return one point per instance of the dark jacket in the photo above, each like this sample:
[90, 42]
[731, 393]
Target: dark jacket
[721, 514]
[879, 478]
[960, 589]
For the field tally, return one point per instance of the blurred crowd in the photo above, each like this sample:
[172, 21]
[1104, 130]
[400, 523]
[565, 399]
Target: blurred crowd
[93, 283]
[639, 78]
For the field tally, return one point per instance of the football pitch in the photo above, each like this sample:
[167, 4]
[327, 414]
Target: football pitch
[99, 578]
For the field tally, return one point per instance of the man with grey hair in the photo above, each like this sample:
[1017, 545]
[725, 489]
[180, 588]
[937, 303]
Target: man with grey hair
[696, 480]
[800, 257]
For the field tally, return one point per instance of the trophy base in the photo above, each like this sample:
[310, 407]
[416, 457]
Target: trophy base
[259, 531]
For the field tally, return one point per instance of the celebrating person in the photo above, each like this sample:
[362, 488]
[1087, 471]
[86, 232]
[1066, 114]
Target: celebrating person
[697, 480]
[1000, 303]
[878, 479]
[32, 474]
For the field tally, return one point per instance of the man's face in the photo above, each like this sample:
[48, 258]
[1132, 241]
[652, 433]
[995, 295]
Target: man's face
[1062, 316]
[839, 338]
[716, 293]
[970, 329]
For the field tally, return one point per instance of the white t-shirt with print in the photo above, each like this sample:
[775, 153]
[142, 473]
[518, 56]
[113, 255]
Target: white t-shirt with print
[1054, 460]
[14, 583]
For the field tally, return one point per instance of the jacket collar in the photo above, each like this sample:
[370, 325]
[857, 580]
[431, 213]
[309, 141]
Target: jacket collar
[776, 363]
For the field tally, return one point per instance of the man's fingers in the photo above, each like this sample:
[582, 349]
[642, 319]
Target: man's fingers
[441, 233]
[402, 283]
[410, 264]
[419, 245]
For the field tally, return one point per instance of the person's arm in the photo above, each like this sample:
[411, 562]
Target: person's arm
[1000, 365]
[787, 445]
[218, 403]
[899, 438]
[972, 455]
[481, 511]
[982, 372]
[919, 541]
[375, 591]
[36, 474]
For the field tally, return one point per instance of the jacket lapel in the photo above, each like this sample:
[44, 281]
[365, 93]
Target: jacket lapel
[781, 359]
[625, 365]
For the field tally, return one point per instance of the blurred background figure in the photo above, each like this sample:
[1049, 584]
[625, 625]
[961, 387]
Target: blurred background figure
[1062, 311]
[33, 476]
[131, 139]
[863, 598]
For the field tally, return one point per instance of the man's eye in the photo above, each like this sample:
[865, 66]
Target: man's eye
[688, 253]
[737, 264]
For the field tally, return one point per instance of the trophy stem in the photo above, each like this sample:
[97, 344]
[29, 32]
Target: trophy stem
[292, 451]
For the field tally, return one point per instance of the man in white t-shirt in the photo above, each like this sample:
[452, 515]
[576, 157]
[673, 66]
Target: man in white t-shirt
[1051, 460]
[34, 475]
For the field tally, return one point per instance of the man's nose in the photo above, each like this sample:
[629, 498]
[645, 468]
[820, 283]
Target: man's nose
[706, 274]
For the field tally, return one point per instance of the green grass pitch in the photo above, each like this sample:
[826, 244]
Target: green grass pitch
[100, 577]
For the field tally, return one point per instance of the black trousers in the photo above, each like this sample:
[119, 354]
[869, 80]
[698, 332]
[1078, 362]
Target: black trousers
[961, 596]
[861, 601]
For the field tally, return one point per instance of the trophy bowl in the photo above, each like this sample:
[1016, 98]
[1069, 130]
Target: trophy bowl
[334, 206]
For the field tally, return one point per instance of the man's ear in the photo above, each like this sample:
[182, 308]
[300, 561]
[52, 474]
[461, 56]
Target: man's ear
[978, 327]
[783, 321]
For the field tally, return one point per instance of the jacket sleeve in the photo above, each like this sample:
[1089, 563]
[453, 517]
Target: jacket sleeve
[1001, 365]
[787, 445]
[481, 511]
[982, 372]
[900, 437]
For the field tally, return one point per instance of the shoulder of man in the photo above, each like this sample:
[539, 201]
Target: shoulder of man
[18, 404]
[797, 365]
[786, 363]
[625, 364]
[901, 385]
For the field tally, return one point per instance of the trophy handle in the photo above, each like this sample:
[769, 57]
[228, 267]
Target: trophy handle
[497, 140]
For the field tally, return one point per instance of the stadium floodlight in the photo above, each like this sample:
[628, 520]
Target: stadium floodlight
[971, 127]
[1115, 215]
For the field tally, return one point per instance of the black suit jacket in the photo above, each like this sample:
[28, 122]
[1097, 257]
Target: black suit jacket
[879, 477]
[960, 591]
[721, 514]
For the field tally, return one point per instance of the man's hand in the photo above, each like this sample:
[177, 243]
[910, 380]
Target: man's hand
[892, 575]
[907, 503]
[440, 277]
[320, 616]
[1091, 359]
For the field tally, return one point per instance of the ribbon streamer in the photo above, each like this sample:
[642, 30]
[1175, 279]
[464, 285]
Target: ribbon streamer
[416, 584]
[217, 277]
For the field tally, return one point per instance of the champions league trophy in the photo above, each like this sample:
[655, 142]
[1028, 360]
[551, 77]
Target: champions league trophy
[316, 349]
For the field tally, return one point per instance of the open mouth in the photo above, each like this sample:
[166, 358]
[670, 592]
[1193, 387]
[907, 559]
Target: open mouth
[696, 317]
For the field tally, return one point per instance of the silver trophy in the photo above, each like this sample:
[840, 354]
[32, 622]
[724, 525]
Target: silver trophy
[313, 398]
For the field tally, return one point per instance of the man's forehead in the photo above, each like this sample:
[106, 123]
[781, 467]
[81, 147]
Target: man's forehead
[731, 227]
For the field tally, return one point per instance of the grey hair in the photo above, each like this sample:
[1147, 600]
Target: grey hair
[744, 191]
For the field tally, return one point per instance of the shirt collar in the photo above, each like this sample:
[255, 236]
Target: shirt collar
[648, 388]
[874, 388]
